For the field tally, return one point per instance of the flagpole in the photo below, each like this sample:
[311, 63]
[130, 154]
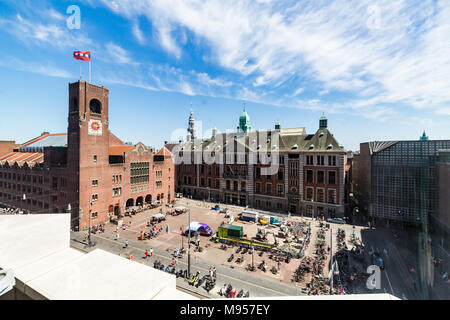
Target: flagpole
[90, 71]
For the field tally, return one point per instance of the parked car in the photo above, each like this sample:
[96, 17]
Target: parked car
[336, 220]
[378, 261]
[197, 227]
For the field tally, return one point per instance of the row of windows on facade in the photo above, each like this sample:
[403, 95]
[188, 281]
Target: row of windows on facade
[139, 179]
[34, 179]
[116, 192]
[320, 177]
[320, 195]
[320, 160]
[139, 172]
[21, 187]
[242, 171]
[309, 196]
[232, 158]
[29, 199]
[237, 171]
[266, 159]
[28, 188]
[234, 185]
[118, 179]
[280, 188]
[20, 200]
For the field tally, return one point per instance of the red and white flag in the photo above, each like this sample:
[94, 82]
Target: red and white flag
[85, 56]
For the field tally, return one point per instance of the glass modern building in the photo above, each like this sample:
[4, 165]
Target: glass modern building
[398, 180]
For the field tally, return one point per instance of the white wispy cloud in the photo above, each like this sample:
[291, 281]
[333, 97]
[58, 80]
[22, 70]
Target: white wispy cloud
[205, 79]
[138, 34]
[53, 32]
[119, 54]
[403, 58]
[46, 69]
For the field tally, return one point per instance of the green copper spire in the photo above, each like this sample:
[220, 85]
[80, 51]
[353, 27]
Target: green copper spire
[424, 137]
[323, 122]
[244, 122]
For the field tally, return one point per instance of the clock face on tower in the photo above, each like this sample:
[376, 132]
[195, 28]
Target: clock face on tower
[95, 127]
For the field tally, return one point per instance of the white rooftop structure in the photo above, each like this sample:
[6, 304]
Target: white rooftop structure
[37, 249]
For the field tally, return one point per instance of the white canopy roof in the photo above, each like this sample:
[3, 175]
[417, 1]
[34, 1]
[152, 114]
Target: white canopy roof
[37, 249]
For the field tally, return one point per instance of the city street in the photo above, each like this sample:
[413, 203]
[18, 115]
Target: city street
[257, 286]
[258, 283]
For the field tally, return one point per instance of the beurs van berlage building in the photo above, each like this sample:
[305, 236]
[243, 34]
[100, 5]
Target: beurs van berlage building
[48, 173]
[285, 170]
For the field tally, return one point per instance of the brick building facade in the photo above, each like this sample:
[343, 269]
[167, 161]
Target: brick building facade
[284, 170]
[52, 171]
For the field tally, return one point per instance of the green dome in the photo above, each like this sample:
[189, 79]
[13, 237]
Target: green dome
[244, 122]
[244, 117]
[323, 117]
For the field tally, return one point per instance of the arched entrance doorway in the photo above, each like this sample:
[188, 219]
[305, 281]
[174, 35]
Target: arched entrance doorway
[130, 203]
[110, 209]
[140, 201]
[117, 210]
[148, 199]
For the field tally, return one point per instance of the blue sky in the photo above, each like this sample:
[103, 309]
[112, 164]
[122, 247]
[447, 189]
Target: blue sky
[379, 70]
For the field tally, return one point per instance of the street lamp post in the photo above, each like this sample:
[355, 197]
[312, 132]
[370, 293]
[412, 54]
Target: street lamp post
[253, 249]
[69, 209]
[189, 243]
[24, 198]
[332, 265]
[182, 237]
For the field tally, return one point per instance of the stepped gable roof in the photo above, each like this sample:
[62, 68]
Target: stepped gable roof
[164, 152]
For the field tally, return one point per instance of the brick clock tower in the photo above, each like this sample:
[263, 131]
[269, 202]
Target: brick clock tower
[88, 151]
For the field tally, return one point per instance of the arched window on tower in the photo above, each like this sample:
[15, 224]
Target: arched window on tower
[95, 106]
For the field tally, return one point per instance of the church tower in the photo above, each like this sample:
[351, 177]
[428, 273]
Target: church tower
[190, 129]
